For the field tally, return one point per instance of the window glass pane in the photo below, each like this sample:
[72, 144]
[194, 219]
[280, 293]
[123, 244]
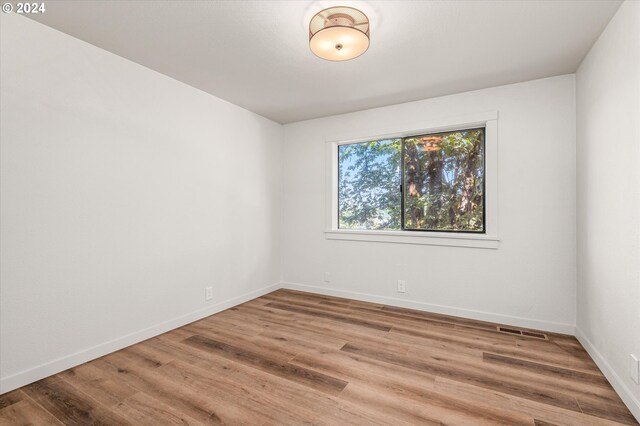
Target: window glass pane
[369, 185]
[444, 181]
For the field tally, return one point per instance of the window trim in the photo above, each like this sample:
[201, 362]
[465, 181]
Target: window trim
[488, 239]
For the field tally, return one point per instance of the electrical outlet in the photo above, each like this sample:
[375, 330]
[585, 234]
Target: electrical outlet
[327, 277]
[402, 286]
[208, 293]
[635, 369]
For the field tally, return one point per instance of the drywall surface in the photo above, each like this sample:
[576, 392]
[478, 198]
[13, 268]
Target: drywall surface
[124, 194]
[608, 200]
[529, 280]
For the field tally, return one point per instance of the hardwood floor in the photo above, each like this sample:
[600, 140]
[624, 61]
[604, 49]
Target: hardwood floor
[298, 358]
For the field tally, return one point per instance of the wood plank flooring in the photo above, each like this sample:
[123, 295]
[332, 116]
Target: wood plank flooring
[299, 358]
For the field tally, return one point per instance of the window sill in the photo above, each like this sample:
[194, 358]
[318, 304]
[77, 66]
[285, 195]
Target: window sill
[408, 237]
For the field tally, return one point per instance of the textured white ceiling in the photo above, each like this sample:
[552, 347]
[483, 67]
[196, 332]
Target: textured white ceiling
[255, 53]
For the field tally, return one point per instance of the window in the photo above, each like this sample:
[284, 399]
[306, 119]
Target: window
[369, 181]
[426, 182]
[433, 182]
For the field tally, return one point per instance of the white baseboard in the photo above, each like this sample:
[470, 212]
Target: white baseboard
[438, 309]
[52, 367]
[618, 384]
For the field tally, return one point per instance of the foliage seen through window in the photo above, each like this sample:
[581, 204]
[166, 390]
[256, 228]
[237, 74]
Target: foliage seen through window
[442, 176]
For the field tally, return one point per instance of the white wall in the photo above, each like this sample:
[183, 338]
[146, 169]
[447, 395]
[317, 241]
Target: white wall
[608, 163]
[124, 194]
[529, 280]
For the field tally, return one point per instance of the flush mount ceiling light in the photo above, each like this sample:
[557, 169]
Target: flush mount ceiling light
[339, 33]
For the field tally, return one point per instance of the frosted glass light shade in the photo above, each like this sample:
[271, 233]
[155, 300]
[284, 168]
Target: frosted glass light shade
[339, 33]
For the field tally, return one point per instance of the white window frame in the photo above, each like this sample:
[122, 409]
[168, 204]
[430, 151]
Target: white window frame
[487, 240]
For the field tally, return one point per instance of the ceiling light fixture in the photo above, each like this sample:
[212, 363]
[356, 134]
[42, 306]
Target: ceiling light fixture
[339, 33]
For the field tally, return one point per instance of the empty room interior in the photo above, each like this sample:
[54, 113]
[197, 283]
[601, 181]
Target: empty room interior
[320, 212]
